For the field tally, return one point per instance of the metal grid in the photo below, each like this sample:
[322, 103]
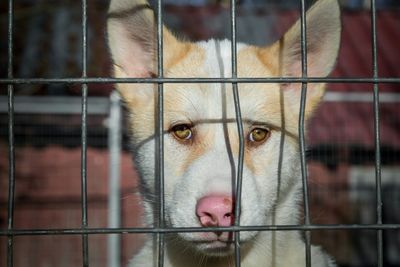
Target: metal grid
[161, 230]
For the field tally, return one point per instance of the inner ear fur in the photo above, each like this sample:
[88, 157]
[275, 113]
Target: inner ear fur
[132, 39]
[323, 29]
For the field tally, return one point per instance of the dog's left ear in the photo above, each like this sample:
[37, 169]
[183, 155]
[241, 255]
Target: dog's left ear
[323, 39]
[323, 30]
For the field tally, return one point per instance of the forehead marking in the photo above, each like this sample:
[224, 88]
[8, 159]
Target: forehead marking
[219, 100]
[219, 57]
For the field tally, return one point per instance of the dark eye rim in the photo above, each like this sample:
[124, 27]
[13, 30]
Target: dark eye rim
[267, 136]
[173, 129]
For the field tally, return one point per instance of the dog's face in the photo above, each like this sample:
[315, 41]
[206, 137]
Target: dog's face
[201, 142]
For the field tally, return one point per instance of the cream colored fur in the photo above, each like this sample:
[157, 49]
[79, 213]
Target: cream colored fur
[271, 176]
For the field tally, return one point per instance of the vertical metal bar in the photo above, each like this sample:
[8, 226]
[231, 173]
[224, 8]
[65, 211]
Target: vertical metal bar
[11, 152]
[238, 189]
[377, 134]
[114, 209]
[304, 173]
[85, 242]
[160, 127]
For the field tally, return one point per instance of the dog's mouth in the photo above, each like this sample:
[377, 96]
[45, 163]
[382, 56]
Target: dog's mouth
[215, 247]
[215, 244]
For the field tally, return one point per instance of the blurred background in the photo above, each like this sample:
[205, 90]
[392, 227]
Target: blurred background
[47, 44]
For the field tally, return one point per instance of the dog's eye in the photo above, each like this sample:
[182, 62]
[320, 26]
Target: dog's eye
[182, 132]
[258, 135]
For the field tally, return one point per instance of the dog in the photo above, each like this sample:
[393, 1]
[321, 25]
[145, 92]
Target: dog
[201, 140]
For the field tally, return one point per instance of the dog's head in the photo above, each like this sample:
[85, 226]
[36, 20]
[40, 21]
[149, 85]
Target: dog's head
[201, 141]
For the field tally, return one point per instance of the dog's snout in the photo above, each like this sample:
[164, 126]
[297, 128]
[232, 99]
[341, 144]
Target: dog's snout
[215, 211]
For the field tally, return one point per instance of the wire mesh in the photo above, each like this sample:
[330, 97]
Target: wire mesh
[304, 175]
[239, 172]
[161, 230]
[85, 241]
[103, 80]
[11, 155]
[377, 134]
[160, 134]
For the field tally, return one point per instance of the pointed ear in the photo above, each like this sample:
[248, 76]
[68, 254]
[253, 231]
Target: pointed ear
[323, 29]
[132, 38]
[323, 38]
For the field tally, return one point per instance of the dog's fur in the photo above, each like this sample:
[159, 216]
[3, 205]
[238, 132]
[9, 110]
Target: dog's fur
[206, 164]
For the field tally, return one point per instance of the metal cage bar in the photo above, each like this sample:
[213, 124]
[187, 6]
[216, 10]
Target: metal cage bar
[160, 134]
[377, 140]
[239, 174]
[143, 230]
[161, 230]
[85, 241]
[11, 152]
[304, 174]
[90, 80]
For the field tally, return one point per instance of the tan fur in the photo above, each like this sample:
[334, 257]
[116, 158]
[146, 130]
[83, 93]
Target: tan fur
[206, 164]
[196, 150]
[270, 57]
[187, 64]
[179, 52]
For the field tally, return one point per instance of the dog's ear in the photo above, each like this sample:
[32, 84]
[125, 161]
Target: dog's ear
[132, 38]
[323, 29]
[323, 38]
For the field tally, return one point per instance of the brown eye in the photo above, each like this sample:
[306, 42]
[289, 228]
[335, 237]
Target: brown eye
[258, 135]
[182, 132]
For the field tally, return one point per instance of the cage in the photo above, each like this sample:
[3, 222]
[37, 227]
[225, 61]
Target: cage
[60, 204]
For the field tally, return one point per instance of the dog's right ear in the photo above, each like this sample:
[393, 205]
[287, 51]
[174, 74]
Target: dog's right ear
[132, 38]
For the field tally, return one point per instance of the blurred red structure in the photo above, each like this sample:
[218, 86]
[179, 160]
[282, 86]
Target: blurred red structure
[48, 178]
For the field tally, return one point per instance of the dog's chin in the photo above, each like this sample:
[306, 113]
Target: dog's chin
[214, 245]
[215, 248]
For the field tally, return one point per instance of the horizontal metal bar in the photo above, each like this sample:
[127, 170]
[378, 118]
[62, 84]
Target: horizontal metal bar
[141, 230]
[198, 80]
[360, 97]
[56, 105]
[100, 105]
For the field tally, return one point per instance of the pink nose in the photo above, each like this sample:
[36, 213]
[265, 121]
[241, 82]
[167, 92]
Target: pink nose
[215, 211]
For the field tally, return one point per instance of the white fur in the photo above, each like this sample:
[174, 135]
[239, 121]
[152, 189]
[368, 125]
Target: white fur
[271, 171]
[211, 173]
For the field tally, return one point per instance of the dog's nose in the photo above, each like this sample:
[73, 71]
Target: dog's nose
[215, 211]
